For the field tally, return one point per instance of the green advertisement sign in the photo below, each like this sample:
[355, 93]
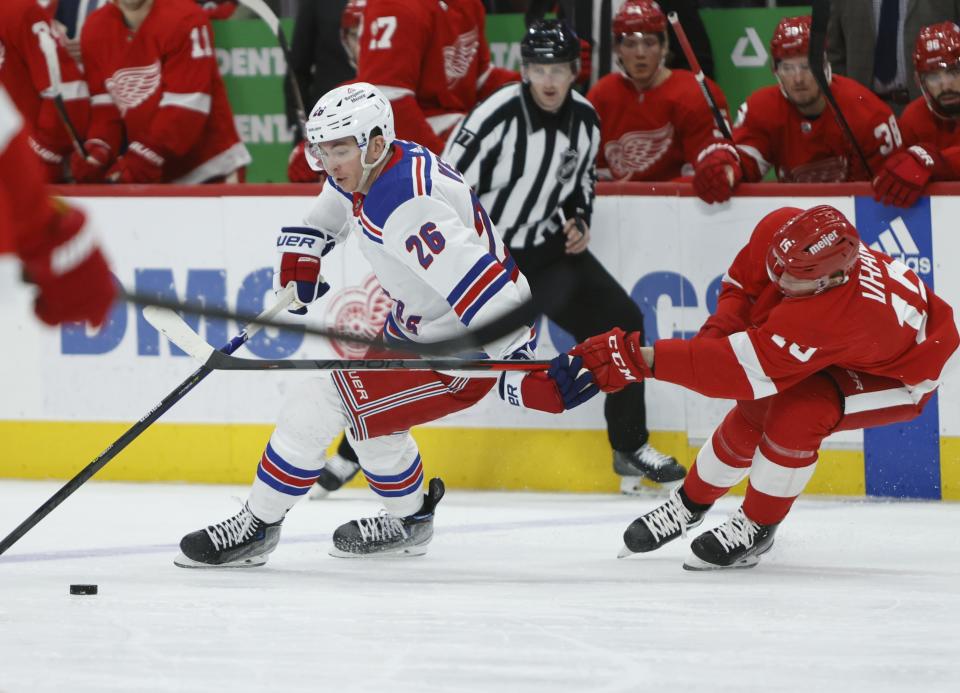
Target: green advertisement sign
[253, 67]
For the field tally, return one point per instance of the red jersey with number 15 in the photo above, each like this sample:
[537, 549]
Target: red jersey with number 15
[162, 85]
[654, 135]
[884, 321]
[770, 131]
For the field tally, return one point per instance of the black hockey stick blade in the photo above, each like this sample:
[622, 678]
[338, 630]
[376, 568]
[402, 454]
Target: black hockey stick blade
[818, 47]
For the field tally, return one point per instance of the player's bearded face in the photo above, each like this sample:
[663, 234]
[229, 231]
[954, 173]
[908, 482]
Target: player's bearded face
[944, 88]
[549, 83]
[640, 55]
[797, 80]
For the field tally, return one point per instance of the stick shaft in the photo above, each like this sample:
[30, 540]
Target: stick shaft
[132, 433]
[698, 73]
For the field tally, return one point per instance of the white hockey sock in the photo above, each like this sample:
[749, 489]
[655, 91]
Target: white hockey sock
[394, 471]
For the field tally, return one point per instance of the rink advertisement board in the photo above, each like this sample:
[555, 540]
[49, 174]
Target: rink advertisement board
[70, 391]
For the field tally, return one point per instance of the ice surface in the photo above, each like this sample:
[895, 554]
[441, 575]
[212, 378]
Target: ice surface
[519, 592]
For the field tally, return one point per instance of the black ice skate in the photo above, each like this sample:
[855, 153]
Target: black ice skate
[737, 543]
[662, 524]
[386, 535]
[336, 472]
[645, 462]
[242, 541]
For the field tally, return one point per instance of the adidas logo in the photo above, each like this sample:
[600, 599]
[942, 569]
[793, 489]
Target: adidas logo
[897, 242]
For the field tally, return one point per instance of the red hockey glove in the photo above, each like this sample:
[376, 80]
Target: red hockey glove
[140, 164]
[93, 168]
[555, 390]
[614, 359]
[298, 170]
[717, 172]
[905, 174]
[51, 160]
[299, 249]
[64, 261]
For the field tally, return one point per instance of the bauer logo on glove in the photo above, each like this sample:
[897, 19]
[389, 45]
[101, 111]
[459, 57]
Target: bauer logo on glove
[299, 250]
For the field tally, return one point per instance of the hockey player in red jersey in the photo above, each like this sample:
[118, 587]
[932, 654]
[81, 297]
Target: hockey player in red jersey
[930, 125]
[654, 122]
[790, 128]
[814, 333]
[31, 57]
[58, 250]
[431, 59]
[154, 82]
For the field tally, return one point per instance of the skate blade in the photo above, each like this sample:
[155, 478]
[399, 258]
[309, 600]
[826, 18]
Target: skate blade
[406, 552]
[642, 486]
[318, 493]
[182, 561]
[625, 552]
[697, 564]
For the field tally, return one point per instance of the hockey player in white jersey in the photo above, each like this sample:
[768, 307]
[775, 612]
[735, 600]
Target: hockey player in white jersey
[436, 254]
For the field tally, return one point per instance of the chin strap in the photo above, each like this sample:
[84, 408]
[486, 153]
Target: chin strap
[368, 168]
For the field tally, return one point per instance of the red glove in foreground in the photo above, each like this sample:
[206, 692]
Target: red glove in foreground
[65, 262]
[905, 174]
[716, 165]
[614, 359]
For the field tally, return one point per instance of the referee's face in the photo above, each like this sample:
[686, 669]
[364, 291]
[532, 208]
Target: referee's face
[549, 83]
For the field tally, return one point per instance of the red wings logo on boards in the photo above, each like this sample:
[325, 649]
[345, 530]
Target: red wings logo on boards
[458, 57]
[131, 86]
[359, 310]
[637, 151]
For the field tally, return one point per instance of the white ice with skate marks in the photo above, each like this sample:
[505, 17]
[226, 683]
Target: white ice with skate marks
[519, 592]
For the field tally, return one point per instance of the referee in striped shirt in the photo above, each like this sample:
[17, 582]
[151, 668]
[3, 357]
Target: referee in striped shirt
[529, 152]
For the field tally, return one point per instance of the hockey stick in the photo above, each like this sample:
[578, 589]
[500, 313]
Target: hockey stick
[818, 48]
[700, 77]
[49, 49]
[134, 431]
[180, 333]
[262, 10]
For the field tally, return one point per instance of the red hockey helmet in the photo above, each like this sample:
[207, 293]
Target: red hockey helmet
[807, 253]
[639, 17]
[352, 15]
[791, 38]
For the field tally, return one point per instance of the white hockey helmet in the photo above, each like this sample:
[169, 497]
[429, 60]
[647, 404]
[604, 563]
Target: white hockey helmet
[352, 110]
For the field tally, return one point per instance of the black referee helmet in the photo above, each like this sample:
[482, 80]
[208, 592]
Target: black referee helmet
[550, 41]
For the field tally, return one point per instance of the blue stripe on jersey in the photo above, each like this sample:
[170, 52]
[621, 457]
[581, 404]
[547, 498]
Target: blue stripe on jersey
[491, 291]
[428, 164]
[392, 331]
[339, 189]
[485, 261]
[394, 186]
[370, 235]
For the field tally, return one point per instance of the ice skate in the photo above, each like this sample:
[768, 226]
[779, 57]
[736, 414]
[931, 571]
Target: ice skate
[242, 541]
[662, 524]
[646, 463]
[336, 472]
[386, 535]
[737, 543]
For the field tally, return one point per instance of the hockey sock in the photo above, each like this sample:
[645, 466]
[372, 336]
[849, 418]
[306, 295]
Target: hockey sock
[777, 477]
[394, 471]
[724, 460]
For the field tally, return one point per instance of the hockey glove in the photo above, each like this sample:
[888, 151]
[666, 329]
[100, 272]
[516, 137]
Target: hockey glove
[64, 261]
[717, 172]
[614, 359]
[905, 174]
[299, 249]
[93, 168]
[298, 169]
[51, 160]
[555, 390]
[140, 164]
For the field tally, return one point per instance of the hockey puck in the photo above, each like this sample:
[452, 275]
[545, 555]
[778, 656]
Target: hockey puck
[83, 589]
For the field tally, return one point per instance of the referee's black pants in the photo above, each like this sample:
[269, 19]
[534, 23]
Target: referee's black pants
[597, 303]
